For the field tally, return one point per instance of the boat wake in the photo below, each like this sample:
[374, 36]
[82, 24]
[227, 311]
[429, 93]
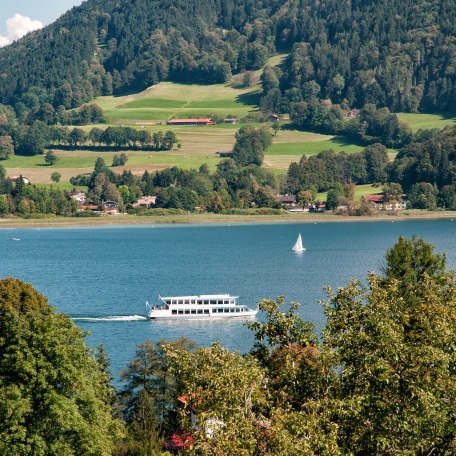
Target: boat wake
[113, 318]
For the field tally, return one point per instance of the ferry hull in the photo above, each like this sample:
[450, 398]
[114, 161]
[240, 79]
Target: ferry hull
[160, 315]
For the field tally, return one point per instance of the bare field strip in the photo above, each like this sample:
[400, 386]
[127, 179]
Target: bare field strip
[280, 162]
[43, 175]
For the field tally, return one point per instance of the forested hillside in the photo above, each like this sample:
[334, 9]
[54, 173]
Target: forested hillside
[395, 53]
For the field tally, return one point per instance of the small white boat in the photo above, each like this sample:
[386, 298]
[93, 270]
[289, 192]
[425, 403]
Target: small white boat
[298, 247]
[199, 307]
[15, 239]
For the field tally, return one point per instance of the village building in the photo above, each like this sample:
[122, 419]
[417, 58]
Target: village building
[379, 202]
[231, 120]
[353, 113]
[110, 207]
[289, 201]
[192, 122]
[79, 197]
[145, 201]
[274, 118]
[88, 206]
[16, 178]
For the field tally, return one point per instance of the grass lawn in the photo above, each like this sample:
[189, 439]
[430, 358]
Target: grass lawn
[337, 144]
[428, 121]
[360, 191]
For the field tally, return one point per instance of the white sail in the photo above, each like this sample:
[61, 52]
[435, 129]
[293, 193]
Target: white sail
[298, 247]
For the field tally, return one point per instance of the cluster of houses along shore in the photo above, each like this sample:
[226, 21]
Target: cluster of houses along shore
[376, 201]
[108, 207]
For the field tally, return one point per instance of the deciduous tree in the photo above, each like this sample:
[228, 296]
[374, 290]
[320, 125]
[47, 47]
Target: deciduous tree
[51, 395]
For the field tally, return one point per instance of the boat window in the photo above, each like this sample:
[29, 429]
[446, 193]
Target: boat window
[193, 301]
[199, 301]
[173, 301]
[186, 301]
[213, 302]
[200, 311]
[168, 301]
[180, 312]
[238, 310]
[206, 302]
[226, 302]
[193, 311]
[187, 311]
[231, 301]
[180, 301]
[206, 311]
[174, 312]
[227, 310]
[231, 310]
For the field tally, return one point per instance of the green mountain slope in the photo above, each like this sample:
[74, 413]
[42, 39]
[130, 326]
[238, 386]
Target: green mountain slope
[395, 53]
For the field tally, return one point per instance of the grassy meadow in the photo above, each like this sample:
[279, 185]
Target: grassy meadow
[360, 191]
[198, 144]
[168, 100]
[428, 121]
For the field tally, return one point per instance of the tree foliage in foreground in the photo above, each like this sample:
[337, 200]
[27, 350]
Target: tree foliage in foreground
[381, 380]
[393, 346]
[53, 395]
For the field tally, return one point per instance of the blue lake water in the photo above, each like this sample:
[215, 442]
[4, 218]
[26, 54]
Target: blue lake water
[102, 276]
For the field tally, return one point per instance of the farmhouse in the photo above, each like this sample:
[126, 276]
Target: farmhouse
[274, 118]
[79, 197]
[110, 207]
[352, 114]
[286, 200]
[231, 120]
[145, 201]
[192, 122]
[16, 178]
[379, 202]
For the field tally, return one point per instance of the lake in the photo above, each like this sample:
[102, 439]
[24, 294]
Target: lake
[102, 277]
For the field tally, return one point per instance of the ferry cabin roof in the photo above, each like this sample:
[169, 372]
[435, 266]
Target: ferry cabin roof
[201, 299]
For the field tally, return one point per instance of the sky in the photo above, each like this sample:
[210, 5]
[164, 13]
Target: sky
[18, 17]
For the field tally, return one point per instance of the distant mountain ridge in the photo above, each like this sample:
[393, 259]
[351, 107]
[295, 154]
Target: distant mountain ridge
[395, 53]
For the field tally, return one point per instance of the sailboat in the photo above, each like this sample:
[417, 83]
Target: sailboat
[298, 245]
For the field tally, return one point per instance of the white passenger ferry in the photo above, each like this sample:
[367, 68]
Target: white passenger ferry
[199, 307]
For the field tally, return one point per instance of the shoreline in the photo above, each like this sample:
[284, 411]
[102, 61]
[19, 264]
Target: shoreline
[216, 219]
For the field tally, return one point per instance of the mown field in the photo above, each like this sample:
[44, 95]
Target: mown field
[427, 121]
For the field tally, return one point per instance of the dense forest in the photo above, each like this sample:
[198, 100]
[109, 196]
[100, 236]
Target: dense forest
[379, 379]
[399, 54]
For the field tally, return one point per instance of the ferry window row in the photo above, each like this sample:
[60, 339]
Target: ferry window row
[232, 310]
[190, 312]
[206, 311]
[200, 301]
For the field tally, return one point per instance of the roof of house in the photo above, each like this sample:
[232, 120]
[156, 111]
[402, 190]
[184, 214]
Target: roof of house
[286, 198]
[377, 198]
[147, 200]
[195, 120]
